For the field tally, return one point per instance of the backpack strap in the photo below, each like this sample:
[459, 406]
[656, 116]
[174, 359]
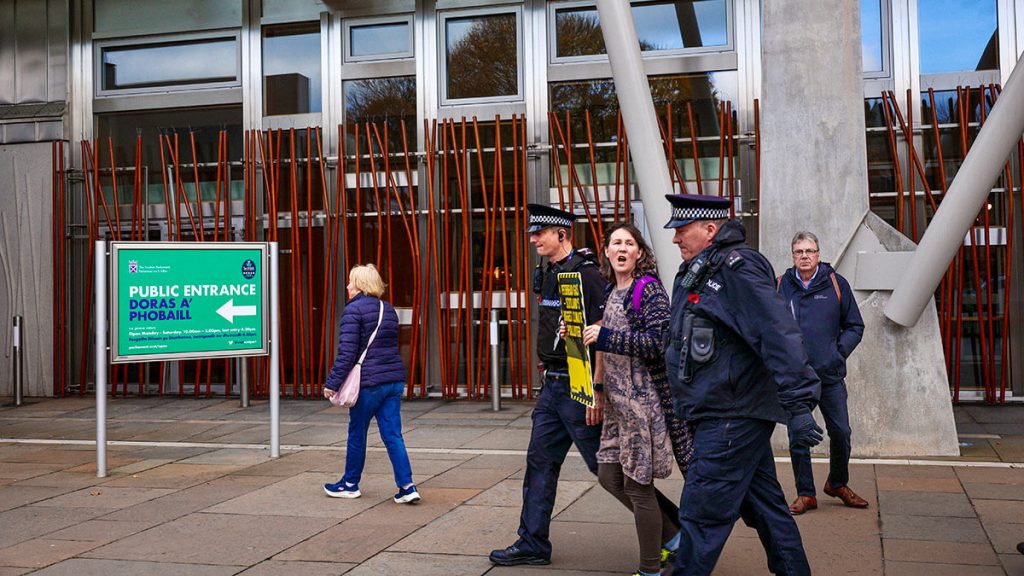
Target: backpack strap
[835, 284]
[638, 290]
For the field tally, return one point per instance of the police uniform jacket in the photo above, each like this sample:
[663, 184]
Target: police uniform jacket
[744, 356]
[550, 347]
[828, 317]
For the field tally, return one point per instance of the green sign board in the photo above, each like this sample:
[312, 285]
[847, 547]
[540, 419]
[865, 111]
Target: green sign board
[172, 300]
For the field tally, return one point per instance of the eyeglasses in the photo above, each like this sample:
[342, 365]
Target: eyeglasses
[807, 252]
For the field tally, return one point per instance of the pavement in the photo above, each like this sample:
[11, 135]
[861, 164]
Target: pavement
[192, 490]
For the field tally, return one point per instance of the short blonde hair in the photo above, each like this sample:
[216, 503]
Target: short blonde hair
[367, 280]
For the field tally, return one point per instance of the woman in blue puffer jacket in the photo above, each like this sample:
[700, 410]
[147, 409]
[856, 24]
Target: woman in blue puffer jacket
[381, 384]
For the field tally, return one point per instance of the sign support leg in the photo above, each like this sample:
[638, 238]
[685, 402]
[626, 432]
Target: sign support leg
[101, 358]
[275, 357]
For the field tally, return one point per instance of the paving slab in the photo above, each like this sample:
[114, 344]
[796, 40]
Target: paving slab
[317, 435]
[180, 503]
[541, 571]
[352, 541]
[435, 502]
[231, 457]
[291, 463]
[510, 493]
[297, 568]
[589, 546]
[97, 567]
[66, 457]
[35, 521]
[110, 497]
[994, 491]
[422, 565]
[893, 568]
[14, 496]
[588, 502]
[939, 552]
[985, 475]
[925, 528]
[926, 504]
[303, 495]
[501, 439]
[23, 470]
[69, 481]
[472, 530]
[511, 462]
[220, 539]
[910, 484]
[459, 477]
[1004, 537]
[173, 475]
[1000, 511]
[1013, 564]
[441, 436]
[100, 531]
[41, 552]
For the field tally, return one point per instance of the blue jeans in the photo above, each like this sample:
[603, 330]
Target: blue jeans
[732, 476]
[385, 403]
[837, 422]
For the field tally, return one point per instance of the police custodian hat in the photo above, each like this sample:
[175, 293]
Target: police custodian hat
[687, 208]
[542, 217]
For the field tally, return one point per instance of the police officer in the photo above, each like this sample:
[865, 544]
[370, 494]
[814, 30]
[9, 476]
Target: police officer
[827, 313]
[736, 366]
[558, 420]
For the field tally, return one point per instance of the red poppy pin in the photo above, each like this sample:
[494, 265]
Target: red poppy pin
[693, 298]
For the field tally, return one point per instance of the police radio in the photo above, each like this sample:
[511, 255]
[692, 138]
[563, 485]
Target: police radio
[538, 279]
[697, 268]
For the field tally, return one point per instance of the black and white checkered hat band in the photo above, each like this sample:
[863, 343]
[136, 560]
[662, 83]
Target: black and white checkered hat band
[546, 220]
[700, 213]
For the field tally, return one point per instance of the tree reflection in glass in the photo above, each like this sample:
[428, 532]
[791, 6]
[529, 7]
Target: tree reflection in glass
[482, 56]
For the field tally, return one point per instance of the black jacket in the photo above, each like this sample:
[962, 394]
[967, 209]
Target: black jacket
[744, 356]
[828, 317]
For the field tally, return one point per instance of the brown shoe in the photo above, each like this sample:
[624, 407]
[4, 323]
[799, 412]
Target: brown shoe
[849, 497]
[803, 504]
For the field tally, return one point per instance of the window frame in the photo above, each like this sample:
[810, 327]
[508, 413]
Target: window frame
[141, 42]
[315, 116]
[346, 37]
[885, 15]
[553, 58]
[442, 55]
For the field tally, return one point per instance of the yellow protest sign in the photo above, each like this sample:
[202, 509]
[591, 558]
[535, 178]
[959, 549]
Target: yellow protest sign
[570, 292]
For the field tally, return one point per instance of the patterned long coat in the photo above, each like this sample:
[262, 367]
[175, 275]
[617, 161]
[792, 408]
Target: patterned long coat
[639, 417]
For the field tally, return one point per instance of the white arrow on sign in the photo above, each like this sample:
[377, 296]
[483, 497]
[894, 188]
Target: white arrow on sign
[229, 311]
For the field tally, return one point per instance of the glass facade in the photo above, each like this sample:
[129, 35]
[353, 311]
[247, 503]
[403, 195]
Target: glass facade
[660, 26]
[422, 76]
[383, 40]
[170, 64]
[291, 69]
[957, 36]
[482, 56]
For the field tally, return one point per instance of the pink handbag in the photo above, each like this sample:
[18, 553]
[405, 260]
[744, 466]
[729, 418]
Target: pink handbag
[348, 393]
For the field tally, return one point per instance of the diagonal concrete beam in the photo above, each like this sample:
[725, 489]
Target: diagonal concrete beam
[648, 154]
[960, 205]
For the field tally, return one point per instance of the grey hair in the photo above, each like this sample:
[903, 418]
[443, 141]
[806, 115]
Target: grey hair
[805, 235]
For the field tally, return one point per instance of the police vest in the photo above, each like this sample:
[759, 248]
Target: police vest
[551, 348]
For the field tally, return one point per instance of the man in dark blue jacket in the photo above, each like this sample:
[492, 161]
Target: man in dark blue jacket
[824, 307]
[737, 367]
